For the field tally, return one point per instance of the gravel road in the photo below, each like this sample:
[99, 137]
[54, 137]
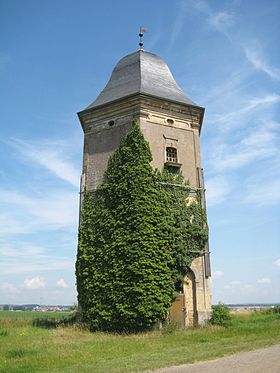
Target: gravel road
[266, 360]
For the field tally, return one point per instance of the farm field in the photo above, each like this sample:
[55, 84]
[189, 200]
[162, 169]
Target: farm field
[28, 348]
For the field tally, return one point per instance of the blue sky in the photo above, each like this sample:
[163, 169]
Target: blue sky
[56, 56]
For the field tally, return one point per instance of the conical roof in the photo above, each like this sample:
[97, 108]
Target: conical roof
[141, 72]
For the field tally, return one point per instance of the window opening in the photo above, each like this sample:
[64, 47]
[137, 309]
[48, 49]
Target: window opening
[171, 155]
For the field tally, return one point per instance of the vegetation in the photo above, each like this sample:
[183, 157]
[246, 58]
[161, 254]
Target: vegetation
[187, 231]
[275, 309]
[137, 239]
[26, 348]
[123, 273]
[221, 316]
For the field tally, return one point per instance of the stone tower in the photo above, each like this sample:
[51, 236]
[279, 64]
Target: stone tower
[142, 88]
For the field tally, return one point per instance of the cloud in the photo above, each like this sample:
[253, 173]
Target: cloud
[152, 41]
[248, 287]
[55, 210]
[258, 61]
[222, 20]
[8, 269]
[178, 23]
[34, 283]
[233, 118]
[217, 190]
[244, 148]
[51, 155]
[235, 282]
[61, 283]
[264, 280]
[20, 257]
[277, 263]
[23, 249]
[263, 194]
[9, 288]
[217, 274]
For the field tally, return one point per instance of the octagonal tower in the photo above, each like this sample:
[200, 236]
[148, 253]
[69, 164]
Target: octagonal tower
[142, 88]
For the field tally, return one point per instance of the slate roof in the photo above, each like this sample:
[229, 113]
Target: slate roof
[141, 72]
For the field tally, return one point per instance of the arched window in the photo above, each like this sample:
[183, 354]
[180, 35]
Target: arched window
[171, 155]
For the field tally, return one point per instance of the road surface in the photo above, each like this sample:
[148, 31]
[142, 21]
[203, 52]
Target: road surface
[266, 360]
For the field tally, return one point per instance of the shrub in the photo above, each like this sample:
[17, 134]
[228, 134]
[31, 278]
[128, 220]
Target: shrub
[273, 310]
[221, 316]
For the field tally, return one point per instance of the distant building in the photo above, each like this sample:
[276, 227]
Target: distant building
[142, 88]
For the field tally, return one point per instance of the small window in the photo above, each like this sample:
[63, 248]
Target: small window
[170, 121]
[171, 155]
[111, 123]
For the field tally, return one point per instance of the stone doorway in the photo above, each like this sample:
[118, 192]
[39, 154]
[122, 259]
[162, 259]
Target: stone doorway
[189, 289]
[183, 310]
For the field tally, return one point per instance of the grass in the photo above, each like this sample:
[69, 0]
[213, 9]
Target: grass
[27, 348]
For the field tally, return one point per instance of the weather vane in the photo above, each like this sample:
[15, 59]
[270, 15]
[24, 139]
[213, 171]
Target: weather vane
[142, 30]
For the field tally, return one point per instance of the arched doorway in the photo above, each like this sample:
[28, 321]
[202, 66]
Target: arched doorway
[183, 310]
[190, 301]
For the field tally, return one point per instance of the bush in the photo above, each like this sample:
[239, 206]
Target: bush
[273, 310]
[221, 316]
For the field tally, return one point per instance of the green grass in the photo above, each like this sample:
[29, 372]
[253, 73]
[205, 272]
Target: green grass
[31, 315]
[26, 348]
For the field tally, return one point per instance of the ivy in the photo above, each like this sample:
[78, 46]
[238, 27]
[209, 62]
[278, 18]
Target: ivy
[123, 263]
[137, 239]
[188, 231]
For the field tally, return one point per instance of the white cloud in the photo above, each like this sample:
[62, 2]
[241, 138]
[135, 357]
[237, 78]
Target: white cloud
[235, 282]
[233, 118]
[249, 287]
[61, 283]
[152, 41]
[277, 263]
[217, 274]
[52, 211]
[221, 20]
[260, 143]
[258, 61]
[264, 280]
[217, 190]
[9, 288]
[34, 283]
[23, 249]
[178, 23]
[19, 256]
[263, 194]
[51, 155]
[38, 267]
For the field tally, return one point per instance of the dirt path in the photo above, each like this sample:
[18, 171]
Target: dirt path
[266, 360]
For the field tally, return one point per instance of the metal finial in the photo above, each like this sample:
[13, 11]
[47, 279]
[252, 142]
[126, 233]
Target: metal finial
[142, 30]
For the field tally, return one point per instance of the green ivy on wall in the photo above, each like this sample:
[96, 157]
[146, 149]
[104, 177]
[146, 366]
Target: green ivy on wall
[136, 240]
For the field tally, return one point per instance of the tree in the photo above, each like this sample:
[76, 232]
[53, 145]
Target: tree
[123, 264]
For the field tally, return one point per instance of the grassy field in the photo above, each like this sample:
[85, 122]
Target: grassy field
[26, 348]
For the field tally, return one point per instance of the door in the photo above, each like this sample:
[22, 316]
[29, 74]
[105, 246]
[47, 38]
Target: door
[189, 288]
